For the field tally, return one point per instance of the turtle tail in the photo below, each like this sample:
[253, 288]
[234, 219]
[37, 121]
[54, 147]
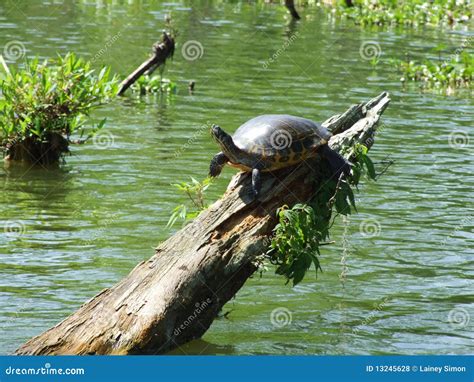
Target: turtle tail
[338, 163]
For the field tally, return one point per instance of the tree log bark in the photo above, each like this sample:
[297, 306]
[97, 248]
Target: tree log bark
[161, 52]
[174, 296]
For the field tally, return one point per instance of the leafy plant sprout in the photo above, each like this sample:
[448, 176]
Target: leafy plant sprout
[195, 192]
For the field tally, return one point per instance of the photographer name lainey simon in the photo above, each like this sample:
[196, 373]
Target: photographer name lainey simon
[440, 369]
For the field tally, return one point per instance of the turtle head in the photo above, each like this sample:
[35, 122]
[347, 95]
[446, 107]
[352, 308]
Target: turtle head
[219, 135]
[225, 141]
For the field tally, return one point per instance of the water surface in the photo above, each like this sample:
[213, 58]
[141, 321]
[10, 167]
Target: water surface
[408, 288]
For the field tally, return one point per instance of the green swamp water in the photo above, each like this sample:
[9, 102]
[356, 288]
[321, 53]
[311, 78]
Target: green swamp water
[408, 289]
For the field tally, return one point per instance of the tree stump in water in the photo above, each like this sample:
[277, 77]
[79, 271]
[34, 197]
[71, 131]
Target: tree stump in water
[174, 296]
[162, 50]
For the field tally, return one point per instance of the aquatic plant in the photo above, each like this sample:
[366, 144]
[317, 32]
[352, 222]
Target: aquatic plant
[304, 228]
[46, 102]
[154, 84]
[405, 12]
[456, 72]
[195, 192]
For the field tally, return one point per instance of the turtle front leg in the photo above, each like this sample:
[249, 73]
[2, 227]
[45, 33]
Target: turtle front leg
[217, 163]
[256, 182]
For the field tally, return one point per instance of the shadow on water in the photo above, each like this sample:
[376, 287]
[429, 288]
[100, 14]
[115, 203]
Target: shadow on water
[203, 347]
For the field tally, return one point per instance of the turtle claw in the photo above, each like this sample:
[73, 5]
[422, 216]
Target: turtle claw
[255, 194]
[217, 163]
[256, 183]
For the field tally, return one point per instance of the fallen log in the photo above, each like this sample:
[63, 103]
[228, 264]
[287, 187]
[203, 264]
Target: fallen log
[174, 296]
[162, 50]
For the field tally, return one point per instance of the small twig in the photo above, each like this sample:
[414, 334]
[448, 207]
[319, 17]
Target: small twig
[387, 163]
[333, 198]
[192, 199]
[326, 243]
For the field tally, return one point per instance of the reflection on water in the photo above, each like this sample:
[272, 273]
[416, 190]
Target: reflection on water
[72, 231]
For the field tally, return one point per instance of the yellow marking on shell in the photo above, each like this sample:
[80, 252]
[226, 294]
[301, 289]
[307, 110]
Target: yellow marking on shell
[239, 166]
[295, 157]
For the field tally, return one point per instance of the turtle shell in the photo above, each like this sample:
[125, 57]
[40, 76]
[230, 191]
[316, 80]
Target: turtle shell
[281, 140]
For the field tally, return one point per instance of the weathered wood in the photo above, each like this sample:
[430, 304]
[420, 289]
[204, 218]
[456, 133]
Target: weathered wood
[175, 295]
[290, 5]
[162, 50]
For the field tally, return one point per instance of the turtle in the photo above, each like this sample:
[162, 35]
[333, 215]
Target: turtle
[271, 142]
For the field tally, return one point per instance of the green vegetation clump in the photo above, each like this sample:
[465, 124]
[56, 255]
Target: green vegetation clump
[454, 73]
[153, 84]
[406, 12]
[46, 102]
[304, 228]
